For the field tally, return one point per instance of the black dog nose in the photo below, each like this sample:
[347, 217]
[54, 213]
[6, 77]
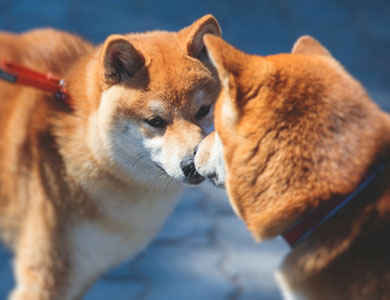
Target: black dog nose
[188, 167]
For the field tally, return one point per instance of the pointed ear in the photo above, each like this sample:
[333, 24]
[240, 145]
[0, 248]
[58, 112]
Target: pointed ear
[308, 45]
[230, 64]
[226, 59]
[121, 60]
[192, 36]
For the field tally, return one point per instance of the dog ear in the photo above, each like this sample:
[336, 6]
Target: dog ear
[308, 45]
[230, 63]
[225, 58]
[121, 60]
[192, 36]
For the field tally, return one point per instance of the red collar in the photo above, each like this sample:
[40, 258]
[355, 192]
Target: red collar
[15, 73]
[307, 225]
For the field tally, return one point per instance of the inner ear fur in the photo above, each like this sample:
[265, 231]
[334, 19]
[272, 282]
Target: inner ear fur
[308, 45]
[236, 69]
[225, 58]
[192, 36]
[238, 73]
[121, 60]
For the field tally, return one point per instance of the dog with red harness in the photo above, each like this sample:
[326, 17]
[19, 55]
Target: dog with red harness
[91, 167]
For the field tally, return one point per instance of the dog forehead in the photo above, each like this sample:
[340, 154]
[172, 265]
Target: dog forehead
[169, 67]
[174, 69]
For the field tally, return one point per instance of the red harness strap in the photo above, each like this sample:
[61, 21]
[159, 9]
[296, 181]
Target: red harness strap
[15, 73]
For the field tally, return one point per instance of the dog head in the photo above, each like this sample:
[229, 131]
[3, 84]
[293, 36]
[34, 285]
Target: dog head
[156, 102]
[292, 129]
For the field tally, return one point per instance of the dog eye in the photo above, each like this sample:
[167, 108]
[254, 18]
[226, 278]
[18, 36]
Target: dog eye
[202, 112]
[156, 122]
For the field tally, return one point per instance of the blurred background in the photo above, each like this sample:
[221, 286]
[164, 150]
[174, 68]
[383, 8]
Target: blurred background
[204, 251]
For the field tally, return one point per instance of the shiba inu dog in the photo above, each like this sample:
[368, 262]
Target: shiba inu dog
[82, 190]
[296, 133]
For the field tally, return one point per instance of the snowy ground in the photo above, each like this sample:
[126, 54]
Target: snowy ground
[204, 251]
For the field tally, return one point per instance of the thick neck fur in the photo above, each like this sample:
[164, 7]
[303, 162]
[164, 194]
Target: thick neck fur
[353, 246]
[347, 256]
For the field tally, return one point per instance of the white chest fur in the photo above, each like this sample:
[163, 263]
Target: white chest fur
[126, 228]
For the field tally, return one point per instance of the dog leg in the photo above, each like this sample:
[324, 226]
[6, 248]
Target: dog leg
[40, 265]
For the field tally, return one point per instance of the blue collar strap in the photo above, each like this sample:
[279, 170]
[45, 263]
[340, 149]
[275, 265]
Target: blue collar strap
[307, 225]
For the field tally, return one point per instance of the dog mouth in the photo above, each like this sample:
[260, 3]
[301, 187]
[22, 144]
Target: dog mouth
[193, 178]
[213, 178]
[190, 173]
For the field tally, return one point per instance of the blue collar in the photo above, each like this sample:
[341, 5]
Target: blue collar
[307, 225]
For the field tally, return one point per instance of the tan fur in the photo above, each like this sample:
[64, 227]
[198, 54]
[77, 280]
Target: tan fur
[71, 203]
[298, 130]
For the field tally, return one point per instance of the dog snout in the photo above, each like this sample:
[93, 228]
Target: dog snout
[187, 166]
[209, 160]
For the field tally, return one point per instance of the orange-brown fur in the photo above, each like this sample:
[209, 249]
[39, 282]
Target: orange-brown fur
[48, 170]
[297, 130]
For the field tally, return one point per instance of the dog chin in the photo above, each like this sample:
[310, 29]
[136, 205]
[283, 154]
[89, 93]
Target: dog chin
[181, 179]
[217, 183]
[193, 183]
